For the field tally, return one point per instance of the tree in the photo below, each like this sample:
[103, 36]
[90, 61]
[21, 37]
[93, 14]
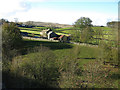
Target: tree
[11, 39]
[3, 21]
[83, 22]
[85, 31]
[86, 35]
[76, 36]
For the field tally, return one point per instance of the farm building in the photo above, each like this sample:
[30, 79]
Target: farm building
[45, 32]
[64, 38]
[49, 34]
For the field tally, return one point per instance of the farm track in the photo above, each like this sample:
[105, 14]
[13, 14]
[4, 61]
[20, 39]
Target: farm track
[84, 44]
[41, 39]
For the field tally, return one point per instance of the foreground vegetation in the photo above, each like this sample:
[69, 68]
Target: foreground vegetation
[51, 64]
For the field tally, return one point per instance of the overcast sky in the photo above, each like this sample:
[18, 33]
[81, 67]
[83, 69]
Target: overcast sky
[60, 11]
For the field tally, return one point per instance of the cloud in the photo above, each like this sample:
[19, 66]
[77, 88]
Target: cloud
[9, 7]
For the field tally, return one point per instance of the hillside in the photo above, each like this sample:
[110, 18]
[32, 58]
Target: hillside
[48, 24]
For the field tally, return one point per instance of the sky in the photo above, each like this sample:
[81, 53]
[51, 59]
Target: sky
[60, 11]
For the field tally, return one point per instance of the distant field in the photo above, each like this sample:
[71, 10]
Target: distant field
[107, 32]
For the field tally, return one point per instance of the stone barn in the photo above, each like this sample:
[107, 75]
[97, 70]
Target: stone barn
[44, 33]
[51, 34]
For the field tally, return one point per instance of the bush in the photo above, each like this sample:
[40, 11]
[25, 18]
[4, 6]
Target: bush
[109, 53]
[39, 66]
[97, 75]
[70, 71]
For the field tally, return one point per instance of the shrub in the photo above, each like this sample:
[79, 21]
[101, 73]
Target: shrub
[109, 53]
[39, 66]
[96, 75]
[70, 71]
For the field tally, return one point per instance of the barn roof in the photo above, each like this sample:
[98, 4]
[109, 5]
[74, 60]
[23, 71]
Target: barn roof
[61, 36]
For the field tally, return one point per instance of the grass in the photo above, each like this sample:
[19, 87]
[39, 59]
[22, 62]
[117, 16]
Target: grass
[28, 31]
[69, 28]
[62, 34]
[62, 50]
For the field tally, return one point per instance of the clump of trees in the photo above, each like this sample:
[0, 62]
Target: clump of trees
[110, 47]
[11, 43]
[84, 32]
[113, 24]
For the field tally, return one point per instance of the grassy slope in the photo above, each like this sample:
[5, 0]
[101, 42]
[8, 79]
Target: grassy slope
[62, 51]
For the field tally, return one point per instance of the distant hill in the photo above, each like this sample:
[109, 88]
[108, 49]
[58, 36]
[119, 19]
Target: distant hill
[48, 24]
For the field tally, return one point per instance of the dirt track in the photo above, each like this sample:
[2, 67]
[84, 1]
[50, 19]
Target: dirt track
[40, 39]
